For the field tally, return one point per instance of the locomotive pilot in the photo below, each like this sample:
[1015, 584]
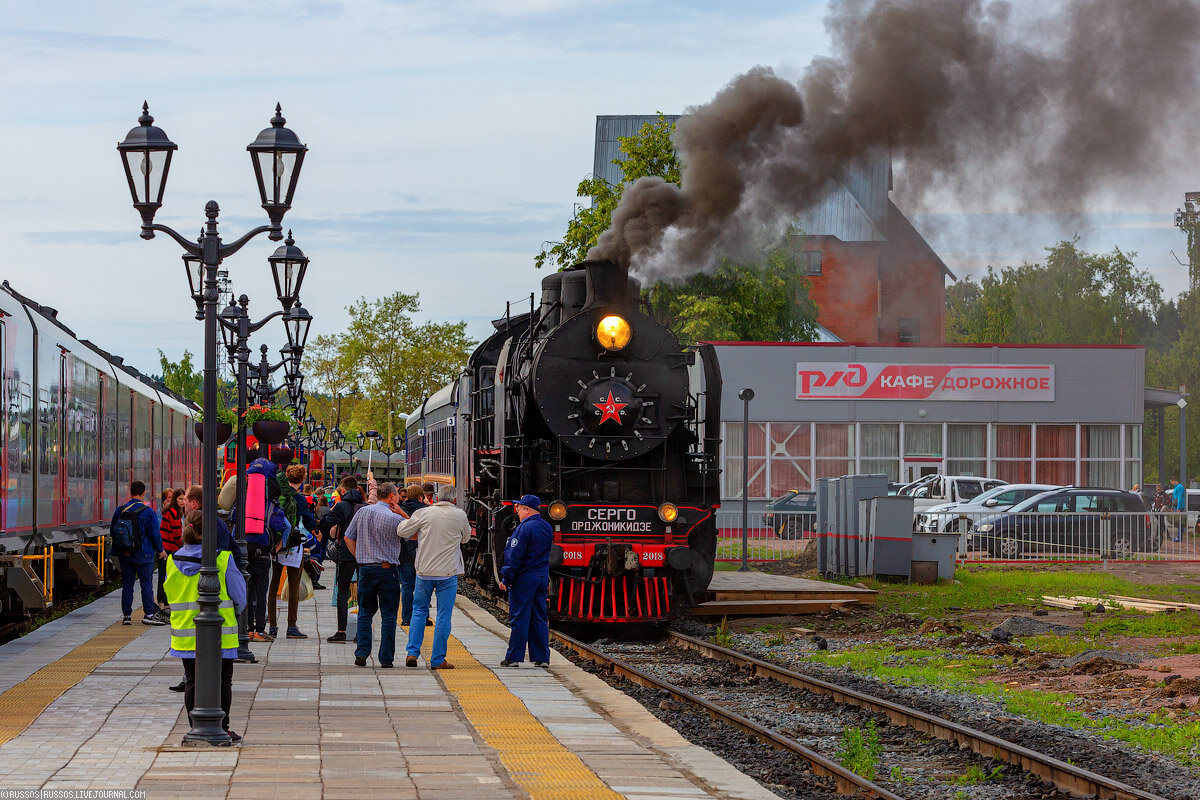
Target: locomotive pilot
[526, 575]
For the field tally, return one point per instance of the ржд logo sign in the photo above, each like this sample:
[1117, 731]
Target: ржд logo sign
[875, 381]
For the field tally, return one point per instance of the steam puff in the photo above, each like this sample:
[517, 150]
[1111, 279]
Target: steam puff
[974, 107]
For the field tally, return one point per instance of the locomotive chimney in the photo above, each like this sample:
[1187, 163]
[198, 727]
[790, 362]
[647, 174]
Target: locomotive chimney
[551, 310]
[608, 284]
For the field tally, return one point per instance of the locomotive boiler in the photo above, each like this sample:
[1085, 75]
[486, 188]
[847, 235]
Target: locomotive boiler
[599, 410]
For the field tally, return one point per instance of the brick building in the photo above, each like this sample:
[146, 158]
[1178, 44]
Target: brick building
[874, 277]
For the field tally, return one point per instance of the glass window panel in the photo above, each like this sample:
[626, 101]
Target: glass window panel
[835, 440]
[833, 468]
[1133, 472]
[1013, 471]
[879, 440]
[966, 441]
[1055, 441]
[1011, 441]
[966, 466]
[789, 439]
[923, 440]
[1058, 473]
[1101, 474]
[1101, 441]
[787, 475]
[1133, 441]
[881, 466]
[757, 460]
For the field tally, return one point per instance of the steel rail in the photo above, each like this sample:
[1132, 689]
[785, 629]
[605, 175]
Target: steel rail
[1067, 777]
[847, 782]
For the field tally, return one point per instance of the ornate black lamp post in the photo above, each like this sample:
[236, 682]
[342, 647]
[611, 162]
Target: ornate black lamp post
[349, 448]
[336, 438]
[236, 329]
[277, 156]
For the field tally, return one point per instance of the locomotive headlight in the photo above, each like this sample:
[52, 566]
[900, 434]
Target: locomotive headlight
[613, 332]
[558, 510]
[667, 512]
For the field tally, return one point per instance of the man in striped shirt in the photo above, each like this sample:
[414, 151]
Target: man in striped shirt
[372, 540]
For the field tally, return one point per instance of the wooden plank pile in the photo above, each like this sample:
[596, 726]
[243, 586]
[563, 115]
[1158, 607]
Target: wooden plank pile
[1132, 603]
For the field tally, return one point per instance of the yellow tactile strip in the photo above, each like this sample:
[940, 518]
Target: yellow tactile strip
[21, 705]
[537, 761]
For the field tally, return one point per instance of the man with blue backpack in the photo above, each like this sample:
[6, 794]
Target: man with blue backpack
[137, 543]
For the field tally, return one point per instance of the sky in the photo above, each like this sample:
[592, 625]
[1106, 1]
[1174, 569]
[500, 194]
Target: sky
[445, 141]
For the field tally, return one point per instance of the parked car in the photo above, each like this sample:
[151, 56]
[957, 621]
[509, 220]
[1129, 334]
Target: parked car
[1111, 522]
[792, 516]
[961, 516]
[941, 489]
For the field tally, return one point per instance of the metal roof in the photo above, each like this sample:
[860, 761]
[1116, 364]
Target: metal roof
[609, 128]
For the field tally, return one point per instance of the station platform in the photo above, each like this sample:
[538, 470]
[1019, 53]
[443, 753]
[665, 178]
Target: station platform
[85, 704]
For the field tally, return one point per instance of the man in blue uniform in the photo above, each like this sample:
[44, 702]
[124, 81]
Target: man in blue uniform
[526, 574]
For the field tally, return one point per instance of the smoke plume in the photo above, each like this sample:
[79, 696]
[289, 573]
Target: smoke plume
[974, 104]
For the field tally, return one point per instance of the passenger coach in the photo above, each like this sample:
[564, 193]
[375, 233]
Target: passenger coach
[77, 426]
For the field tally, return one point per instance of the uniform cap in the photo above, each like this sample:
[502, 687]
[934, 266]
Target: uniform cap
[530, 500]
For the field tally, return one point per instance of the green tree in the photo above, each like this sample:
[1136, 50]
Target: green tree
[739, 302]
[395, 361]
[649, 153]
[182, 377]
[1177, 365]
[333, 375]
[1075, 297]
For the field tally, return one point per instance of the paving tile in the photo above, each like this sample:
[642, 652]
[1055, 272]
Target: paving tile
[315, 725]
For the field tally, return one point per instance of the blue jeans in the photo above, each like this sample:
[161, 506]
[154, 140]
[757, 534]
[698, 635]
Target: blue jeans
[378, 590]
[143, 574]
[529, 618]
[446, 589]
[408, 582]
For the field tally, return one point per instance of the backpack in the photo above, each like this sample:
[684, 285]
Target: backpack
[126, 532]
[337, 549]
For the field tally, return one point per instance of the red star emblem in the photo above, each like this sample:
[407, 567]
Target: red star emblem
[610, 409]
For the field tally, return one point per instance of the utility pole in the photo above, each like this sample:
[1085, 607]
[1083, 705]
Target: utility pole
[1187, 219]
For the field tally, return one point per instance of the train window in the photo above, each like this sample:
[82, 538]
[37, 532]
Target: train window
[24, 432]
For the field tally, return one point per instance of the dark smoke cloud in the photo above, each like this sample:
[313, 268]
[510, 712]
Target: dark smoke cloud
[1094, 99]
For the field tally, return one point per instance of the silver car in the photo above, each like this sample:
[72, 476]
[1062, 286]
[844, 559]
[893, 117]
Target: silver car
[961, 516]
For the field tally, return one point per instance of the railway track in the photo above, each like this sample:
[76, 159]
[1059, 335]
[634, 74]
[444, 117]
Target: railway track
[1067, 777]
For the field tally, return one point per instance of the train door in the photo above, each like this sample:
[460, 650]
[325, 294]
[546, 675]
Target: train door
[63, 422]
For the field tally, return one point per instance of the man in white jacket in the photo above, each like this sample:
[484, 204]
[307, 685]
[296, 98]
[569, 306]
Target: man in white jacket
[441, 530]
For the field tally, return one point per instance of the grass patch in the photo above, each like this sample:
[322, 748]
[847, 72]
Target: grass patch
[1174, 736]
[722, 636]
[1179, 648]
[976, 774]
[1063, 646]
[861, 750]
[989, 587]
[1123, 622]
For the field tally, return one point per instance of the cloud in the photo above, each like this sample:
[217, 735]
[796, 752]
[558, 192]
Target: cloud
[47, 43]
[523, 225]
[85, 237]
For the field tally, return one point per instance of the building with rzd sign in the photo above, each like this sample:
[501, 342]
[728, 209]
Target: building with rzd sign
[1053, 414]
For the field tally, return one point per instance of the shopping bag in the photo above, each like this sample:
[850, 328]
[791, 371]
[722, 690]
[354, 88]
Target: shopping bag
[306, 590]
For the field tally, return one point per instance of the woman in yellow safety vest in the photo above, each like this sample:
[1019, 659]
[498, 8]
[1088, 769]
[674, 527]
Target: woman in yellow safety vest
[182, 586]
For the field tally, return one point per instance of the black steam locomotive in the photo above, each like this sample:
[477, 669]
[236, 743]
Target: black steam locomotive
[596, 408]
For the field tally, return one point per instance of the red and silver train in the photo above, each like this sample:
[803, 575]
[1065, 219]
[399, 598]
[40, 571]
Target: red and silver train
[77, 427]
